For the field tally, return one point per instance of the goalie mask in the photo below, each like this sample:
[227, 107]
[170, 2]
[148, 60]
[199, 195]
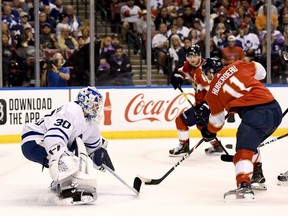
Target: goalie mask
[91, 101]
[212, 65]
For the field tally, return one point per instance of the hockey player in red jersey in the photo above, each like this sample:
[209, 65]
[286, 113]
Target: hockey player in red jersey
[191, 71]
[236, 88]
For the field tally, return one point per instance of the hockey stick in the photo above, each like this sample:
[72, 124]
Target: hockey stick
[84, 165]
[227, 158]
[203, 120]
[136, 190]
[158, 181]
[230, 146]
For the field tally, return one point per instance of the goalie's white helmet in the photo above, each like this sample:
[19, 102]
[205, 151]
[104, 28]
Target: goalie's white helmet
[91, 101]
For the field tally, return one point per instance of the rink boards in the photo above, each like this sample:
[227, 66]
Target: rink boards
[133, 112]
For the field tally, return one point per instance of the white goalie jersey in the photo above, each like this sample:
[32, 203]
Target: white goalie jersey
[62, 126]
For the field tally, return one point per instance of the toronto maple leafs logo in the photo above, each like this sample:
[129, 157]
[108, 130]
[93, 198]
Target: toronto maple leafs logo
[2, 111]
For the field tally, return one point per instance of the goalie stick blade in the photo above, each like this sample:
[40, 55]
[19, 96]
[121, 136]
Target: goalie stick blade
[227, 158]
[137, 184]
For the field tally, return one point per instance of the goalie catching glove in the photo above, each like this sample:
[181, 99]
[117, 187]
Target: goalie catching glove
[207, 135]
[176, 80]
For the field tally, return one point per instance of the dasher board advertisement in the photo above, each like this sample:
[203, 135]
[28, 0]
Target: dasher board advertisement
[127, 113]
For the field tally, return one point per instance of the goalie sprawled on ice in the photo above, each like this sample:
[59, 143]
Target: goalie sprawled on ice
[63, 140]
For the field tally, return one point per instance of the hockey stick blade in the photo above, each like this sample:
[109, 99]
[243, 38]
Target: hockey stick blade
[158, 181]
[227, 158]
[137, 184]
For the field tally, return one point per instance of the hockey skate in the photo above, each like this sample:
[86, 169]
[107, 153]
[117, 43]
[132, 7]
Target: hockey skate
[283, 179]
[258, 179]
[214, 149]
[180, 150]
[243, 193]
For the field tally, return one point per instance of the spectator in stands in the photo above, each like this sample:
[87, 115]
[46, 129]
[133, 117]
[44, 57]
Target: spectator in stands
[66, 41]
[247, 7]
[50, 19]
[9, 58]
[27, 30]
[181, 29]
[63, 21]
[5, 30]
[261, 19]
[175, 46]
[226, 20]
[54, 74]
[160, 44]
[115, 41]
[24, 51]
[277, 41]
[107, 50]
[73, 21]
[48, 39]
[85, 33]
[219, 36]
[120, 67]
[251, 25]
[81, 41]
[263, 8]
[284, 22]
[130, 14]
[56, 9]
[162, 17]
[10, 19]
[214, 49]
[194, 36]
[19, 6]
[250, 42]
[202, 20]
[183, 51]
[232, 52]
[141, 24]
[188, 16]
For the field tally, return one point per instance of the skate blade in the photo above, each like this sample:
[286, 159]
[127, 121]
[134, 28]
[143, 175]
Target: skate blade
[282, 183]
[84, 200]
[178, 155]
[258, 186]
[233, 198]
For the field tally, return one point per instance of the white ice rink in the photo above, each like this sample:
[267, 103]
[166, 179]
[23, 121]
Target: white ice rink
[195, 187]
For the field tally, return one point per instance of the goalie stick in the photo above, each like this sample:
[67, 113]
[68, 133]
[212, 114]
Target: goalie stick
[84, 165]
[137, 184]
[148, 181]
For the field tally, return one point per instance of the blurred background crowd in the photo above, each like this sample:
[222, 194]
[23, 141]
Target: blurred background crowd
[237, 32]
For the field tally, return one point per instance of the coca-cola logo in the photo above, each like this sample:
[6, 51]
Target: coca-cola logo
[139, 109]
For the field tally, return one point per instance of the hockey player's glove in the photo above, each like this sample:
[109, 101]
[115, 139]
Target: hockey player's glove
[207, 135]
[176, 80]
[200, 110]
[101, 156]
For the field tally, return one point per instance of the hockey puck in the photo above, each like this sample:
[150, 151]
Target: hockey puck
[227, 158]
[229, 146]
[137, 184]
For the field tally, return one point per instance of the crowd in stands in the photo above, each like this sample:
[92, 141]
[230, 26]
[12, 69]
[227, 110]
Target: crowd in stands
[237, 31]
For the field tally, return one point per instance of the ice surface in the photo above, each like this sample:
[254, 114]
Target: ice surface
[195, 187]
